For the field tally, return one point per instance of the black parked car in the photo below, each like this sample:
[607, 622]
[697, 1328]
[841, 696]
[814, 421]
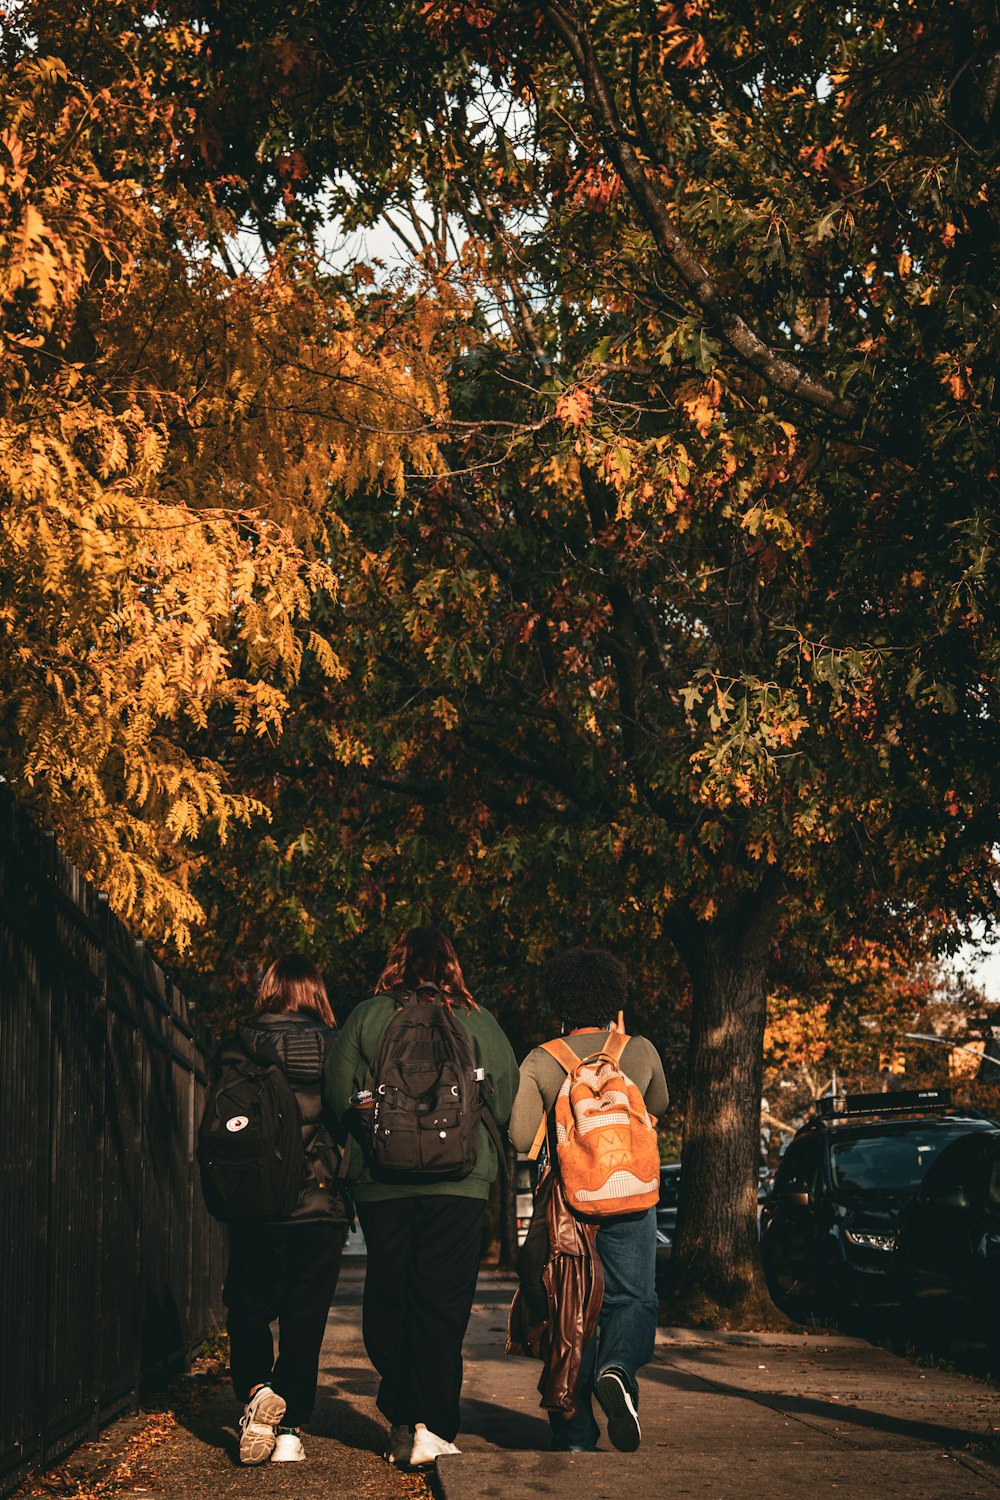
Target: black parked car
[666, 1209]
[828, 1228]
[948, 1244]
[666, 1221]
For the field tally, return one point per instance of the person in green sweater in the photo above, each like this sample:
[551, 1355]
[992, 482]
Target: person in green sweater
[423, 1235]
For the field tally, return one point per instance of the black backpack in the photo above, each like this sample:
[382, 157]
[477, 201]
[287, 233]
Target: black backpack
[250, 1143]
[428, 1103]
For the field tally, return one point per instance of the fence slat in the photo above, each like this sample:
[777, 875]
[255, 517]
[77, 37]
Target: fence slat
[111, 1267]
[24, 1133]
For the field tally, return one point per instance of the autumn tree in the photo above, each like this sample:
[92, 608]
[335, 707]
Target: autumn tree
[693, 637]
[843, 1016]
[174, 435]
[700, 624]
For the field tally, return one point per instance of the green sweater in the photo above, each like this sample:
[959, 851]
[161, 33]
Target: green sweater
[345, 1071]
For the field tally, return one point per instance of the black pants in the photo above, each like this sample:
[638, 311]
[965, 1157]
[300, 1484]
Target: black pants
[288, 1272]
[423, 1260]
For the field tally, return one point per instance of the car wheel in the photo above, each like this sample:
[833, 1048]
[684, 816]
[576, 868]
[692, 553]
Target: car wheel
[787, 1293]
[925, 1326]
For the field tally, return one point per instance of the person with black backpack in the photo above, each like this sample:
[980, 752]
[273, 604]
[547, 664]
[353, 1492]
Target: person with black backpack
[270, 1168]
[424, 1080]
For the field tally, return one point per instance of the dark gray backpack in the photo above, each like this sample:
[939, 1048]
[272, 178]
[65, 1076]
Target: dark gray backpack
[427, 1092]
[250, 1143]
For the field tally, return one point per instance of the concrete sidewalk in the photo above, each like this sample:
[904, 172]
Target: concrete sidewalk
[727, 1416]
[184, 1445]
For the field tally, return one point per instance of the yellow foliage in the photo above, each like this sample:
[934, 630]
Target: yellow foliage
[701, 404]
[574, 407]
[797, 1032]
[173, 440]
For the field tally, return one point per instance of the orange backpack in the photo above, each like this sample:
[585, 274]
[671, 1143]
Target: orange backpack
[608, 1158]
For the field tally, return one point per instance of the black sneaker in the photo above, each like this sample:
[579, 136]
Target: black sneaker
[611, 1391]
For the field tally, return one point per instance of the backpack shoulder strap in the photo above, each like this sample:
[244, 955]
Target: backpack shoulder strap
[563, 1054]
[616, 1044]
[536, 1144]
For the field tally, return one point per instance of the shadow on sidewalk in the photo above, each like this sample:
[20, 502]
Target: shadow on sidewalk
[211, 1416]
[337, 1418]
[504, 1427]
[841, 1413]
[208, 1411]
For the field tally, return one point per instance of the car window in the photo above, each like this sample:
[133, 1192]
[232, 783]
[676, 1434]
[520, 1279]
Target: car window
[954, 1168]
[892, 1163]
[799, 1169]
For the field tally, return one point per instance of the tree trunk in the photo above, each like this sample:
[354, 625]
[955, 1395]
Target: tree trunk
[716, 1274]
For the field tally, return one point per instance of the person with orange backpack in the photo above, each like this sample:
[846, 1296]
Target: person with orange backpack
[595, 1093]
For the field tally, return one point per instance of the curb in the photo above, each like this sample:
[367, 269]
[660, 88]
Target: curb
[675, 1337]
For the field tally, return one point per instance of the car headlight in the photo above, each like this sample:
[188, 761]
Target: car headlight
[870, 1241]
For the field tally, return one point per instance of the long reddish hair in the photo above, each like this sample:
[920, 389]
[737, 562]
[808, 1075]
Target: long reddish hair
[293, 984]
[425, 956]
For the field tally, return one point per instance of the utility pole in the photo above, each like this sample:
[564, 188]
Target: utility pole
[989, 1063]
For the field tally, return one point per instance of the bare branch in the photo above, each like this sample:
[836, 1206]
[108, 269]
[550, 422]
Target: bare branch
[801, 385]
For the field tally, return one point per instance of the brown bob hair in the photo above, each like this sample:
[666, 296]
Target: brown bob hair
[293, 984]
[425, 956]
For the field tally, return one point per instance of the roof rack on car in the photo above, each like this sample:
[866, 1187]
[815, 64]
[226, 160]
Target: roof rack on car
[902, 1101]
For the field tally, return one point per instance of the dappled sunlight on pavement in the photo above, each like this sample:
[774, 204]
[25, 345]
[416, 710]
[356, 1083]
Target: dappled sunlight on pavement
[724, 1416]
[193, 1456]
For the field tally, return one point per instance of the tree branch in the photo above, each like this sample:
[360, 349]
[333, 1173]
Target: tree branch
[799, 384]
[530, 340]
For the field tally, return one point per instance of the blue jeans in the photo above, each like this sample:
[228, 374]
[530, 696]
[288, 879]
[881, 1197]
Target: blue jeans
[626, 1329]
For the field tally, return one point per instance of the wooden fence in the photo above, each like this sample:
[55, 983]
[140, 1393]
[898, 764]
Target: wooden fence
[110, 1268]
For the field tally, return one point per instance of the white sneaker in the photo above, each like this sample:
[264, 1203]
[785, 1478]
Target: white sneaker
[261, 1416]
[427, 1447]
[400, 1445]
[288, 1449]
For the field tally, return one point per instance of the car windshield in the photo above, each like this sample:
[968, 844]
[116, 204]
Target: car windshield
[894, 1163]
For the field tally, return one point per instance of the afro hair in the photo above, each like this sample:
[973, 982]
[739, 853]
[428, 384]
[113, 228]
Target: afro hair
[585, 987]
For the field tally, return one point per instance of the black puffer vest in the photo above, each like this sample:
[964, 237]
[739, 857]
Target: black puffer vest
[299, 1045]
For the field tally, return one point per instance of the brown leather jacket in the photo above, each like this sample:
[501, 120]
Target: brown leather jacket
[554, 1313]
